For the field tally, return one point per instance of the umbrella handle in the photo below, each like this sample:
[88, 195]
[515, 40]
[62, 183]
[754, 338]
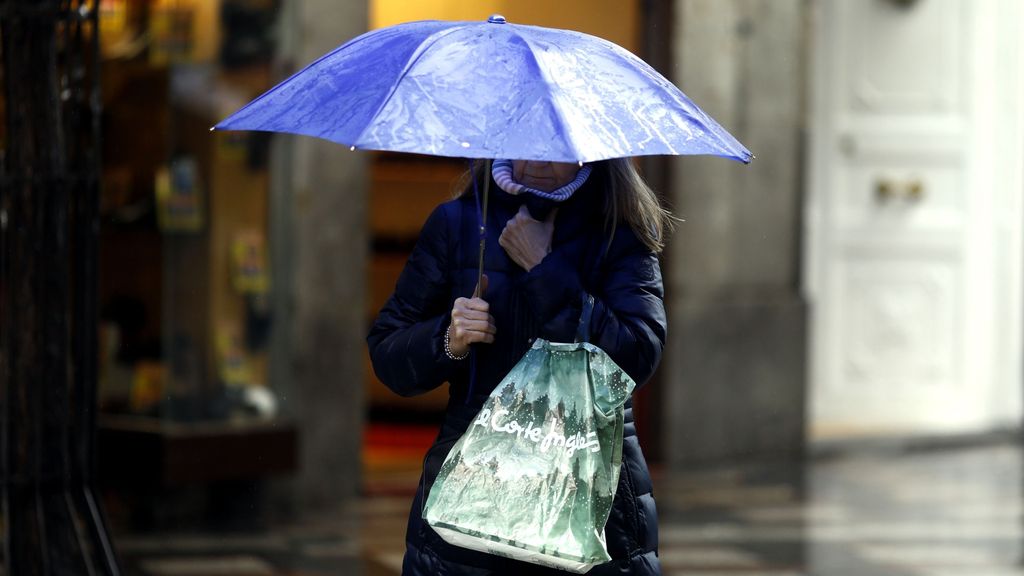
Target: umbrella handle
[479, 273]
[481, 214]
[482, 219]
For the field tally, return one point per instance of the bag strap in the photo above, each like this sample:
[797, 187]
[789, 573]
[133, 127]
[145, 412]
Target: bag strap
[583, 331]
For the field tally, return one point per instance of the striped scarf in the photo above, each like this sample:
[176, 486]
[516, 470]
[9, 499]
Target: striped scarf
[502, 172]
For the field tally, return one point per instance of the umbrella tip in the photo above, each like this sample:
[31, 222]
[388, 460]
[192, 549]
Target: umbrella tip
[496, 19]
[212, 128]
[351, 148]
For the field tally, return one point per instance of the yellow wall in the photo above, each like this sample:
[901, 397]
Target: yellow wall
[615, 20]
[207, 30]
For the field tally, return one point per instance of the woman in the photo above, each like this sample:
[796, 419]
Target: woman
[555, 233]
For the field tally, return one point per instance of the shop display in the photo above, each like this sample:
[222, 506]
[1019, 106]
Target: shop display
[185, 398]
[234, 367]
[249, 268]
[179, 197]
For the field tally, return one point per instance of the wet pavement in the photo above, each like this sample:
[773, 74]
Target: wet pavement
[954, 511]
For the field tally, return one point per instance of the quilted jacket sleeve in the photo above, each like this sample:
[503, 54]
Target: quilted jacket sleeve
[628, 321]
[406, 341]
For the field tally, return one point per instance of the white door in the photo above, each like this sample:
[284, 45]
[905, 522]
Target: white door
[913, 216]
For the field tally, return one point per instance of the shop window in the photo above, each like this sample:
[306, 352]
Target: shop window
[184, 267]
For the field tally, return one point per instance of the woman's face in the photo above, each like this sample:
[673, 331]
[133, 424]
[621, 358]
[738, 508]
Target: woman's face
[544, 176]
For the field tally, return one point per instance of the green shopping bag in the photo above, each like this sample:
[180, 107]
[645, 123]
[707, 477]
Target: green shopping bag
[534, 476]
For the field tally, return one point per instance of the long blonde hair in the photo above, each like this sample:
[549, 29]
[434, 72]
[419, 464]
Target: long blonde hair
[628, 199]
[631, 200]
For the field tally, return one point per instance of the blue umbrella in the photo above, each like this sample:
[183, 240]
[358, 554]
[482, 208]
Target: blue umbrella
[488, 90]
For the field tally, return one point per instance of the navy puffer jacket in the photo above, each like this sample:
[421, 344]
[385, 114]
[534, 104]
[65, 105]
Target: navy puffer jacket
[407, 348]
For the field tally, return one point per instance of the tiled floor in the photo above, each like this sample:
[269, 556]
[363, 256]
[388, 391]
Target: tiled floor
[934, 513]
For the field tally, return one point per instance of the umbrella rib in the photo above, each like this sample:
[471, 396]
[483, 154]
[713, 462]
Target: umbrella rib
[550, 85]
[420, 51]
[698, 115]
[273, 90]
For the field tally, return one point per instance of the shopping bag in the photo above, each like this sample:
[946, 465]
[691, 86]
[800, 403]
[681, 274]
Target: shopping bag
[534, 476]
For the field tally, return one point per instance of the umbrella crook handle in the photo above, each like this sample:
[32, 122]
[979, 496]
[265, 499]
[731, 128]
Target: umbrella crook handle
[481, 214]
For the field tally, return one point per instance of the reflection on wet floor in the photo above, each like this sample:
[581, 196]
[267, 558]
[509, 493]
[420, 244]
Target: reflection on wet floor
[927, 513]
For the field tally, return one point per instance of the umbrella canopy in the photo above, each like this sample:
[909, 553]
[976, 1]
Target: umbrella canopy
[488, 90]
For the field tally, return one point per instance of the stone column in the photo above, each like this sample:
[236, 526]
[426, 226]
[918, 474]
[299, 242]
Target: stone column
[735, 361]
[319, 231]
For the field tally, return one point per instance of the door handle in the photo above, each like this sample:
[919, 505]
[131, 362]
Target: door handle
[914, 190]
[887, 189]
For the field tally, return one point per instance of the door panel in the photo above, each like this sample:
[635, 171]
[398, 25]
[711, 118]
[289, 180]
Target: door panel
[899, 326]
[901, 60]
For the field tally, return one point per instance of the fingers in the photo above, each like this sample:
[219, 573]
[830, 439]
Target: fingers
[472, 337]
[478, 304]
[484, 333]
[480, 290]
[521, 220]
[466, 331]
[471, 322]
[512, 235]
[515, 225]
[469, 314]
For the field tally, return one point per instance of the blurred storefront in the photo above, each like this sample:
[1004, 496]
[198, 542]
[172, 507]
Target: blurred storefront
[184, 269]
[184, 278]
